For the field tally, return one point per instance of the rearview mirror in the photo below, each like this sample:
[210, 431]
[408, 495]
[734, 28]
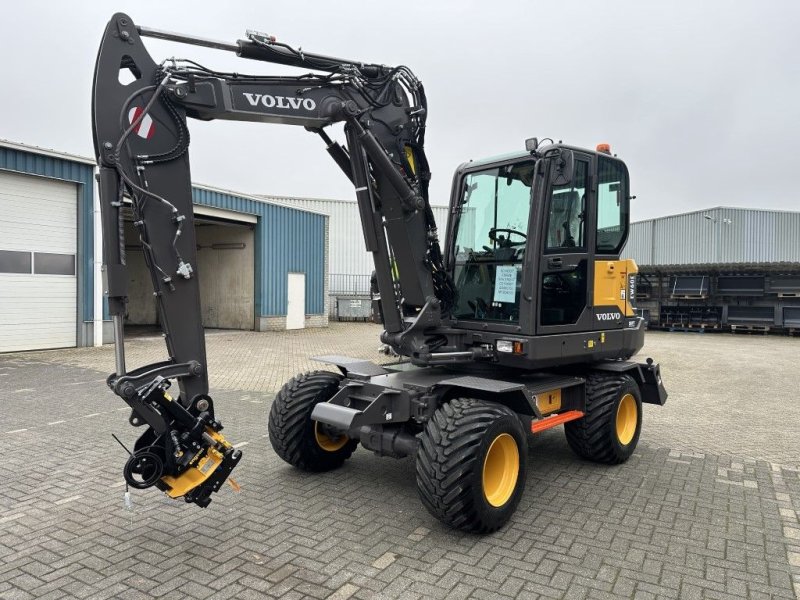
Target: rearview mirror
[563, 167]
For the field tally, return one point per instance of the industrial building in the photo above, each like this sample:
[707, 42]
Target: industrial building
[263, 265]
[350, 265]
[719, 269]
[272, 262]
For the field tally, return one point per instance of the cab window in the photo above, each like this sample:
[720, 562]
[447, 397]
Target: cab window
[567, 213]
[490, 242]
[612, 205]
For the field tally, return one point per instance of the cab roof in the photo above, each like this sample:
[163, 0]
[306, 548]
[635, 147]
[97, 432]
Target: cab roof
[525, 154]
[498, 158]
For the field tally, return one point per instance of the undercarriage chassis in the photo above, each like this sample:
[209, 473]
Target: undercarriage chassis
[386, 406]
[468, 434]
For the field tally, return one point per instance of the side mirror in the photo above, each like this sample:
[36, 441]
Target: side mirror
[563, 167]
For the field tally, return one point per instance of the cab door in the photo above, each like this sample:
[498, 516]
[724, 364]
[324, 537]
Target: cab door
[567, 254]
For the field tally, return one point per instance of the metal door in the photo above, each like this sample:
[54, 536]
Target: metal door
[296, 301]
[566, 268]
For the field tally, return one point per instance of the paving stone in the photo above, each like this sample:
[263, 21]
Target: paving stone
[704, 509]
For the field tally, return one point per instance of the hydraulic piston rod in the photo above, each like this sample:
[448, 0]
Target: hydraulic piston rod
[265, 49]
[171, 36]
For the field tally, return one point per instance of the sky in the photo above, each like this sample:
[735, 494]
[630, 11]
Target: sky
[701, 99]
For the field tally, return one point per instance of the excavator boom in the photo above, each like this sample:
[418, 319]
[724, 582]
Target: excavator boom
[141, 142]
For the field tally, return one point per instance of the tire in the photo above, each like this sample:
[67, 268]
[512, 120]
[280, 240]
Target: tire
[609, 431]
[294, 436]
[456, 482]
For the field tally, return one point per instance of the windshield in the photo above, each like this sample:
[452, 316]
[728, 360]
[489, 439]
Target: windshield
[490, 242]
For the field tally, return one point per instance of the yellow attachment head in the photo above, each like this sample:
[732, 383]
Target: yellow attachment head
[207, 471]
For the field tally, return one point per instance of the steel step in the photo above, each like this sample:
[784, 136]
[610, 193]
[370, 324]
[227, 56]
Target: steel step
[337, 416]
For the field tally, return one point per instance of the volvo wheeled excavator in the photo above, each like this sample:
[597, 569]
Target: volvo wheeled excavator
[523, 322]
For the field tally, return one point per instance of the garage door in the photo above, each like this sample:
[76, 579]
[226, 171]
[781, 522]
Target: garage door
[38, 246]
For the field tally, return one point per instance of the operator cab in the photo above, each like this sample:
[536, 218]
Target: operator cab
[534, 243]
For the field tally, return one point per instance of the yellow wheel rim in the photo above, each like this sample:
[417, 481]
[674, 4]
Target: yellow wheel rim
[328, 443]
[627, 419]
[500, 470]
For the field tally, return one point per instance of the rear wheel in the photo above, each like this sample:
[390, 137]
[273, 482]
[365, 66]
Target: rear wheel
[295, 437]
[609, 431]
[472, 464]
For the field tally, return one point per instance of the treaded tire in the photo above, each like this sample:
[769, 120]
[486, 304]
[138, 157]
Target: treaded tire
[594, 437]
[450, 463]
[291, 430]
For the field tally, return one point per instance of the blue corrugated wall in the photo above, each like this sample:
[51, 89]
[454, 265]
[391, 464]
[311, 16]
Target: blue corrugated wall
[287, 241]
[12, 159]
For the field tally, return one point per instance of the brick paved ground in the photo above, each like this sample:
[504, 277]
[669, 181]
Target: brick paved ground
[707, 507]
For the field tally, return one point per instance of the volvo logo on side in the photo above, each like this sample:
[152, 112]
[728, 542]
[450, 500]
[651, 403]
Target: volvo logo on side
[612, 316]
[288, 102]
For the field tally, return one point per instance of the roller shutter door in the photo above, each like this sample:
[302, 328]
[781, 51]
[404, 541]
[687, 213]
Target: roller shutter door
[38, 266]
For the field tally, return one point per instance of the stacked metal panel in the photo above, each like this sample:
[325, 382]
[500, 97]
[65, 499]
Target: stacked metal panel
[719, 269]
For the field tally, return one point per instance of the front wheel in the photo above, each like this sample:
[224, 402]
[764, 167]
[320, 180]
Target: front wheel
[472, 464]
[295, 437]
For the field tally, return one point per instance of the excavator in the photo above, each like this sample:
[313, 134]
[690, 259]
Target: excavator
[521, 321]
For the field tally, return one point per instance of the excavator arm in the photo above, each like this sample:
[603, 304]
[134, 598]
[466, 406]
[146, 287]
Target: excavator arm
[139, 115]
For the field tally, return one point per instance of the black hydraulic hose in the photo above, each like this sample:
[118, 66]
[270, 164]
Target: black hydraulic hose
[134, 124]
[182, 143]
[146, 464]
[121, 226]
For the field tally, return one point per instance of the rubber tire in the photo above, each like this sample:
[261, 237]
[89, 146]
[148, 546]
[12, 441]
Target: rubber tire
[594, 437]
[291, 430]
[450, 462]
